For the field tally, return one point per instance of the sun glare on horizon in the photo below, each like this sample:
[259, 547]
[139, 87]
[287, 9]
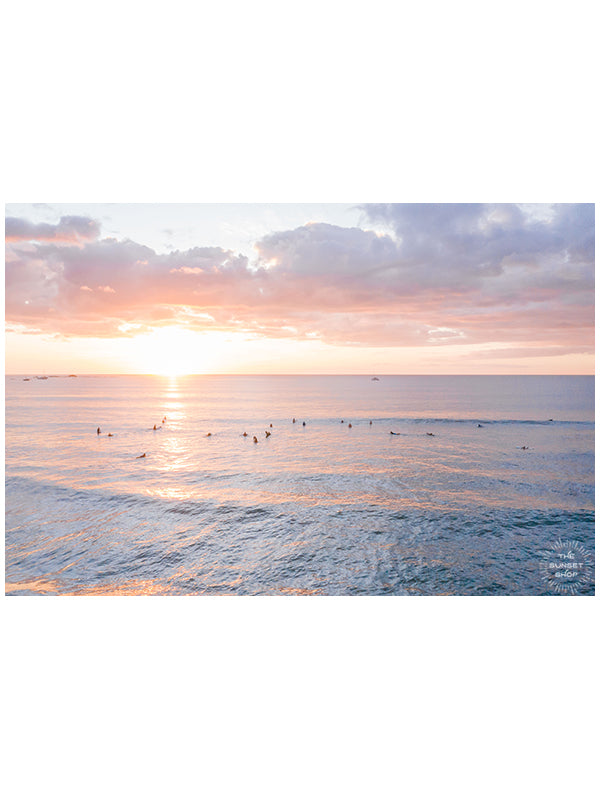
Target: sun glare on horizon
[174, 351]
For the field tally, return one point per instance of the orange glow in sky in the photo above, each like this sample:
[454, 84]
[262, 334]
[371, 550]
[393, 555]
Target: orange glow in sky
[389, 288]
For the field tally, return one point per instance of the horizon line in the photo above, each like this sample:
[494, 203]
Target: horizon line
[306, 374]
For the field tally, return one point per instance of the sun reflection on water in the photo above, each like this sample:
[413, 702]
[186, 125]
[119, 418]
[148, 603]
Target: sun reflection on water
[173, 400]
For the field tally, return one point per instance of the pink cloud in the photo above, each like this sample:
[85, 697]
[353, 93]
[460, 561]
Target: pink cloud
[188, 270]
[73, 230]
[442, 275]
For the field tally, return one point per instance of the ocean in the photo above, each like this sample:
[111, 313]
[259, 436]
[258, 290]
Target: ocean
[335, 506]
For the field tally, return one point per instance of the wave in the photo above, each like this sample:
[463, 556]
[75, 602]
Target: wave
[481, 421]
[23, 489]
[63, 541]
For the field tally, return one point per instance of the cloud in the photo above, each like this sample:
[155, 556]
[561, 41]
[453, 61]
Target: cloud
[441, 275]
[316, 247]
[95, 288]
[457, 244]
[69, 230]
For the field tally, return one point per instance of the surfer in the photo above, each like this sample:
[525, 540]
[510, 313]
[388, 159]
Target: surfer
[142, 456]
[98, 431]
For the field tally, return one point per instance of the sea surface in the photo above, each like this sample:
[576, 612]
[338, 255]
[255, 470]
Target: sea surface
[321, 508]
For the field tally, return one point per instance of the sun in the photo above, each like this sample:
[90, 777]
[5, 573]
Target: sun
[171, 351]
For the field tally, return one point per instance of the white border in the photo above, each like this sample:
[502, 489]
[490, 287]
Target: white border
[299, 697]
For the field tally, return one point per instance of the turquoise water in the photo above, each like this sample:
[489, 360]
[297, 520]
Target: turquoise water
[321, 508]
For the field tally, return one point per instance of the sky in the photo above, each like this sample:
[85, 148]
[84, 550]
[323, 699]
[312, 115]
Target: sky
[307, 288]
